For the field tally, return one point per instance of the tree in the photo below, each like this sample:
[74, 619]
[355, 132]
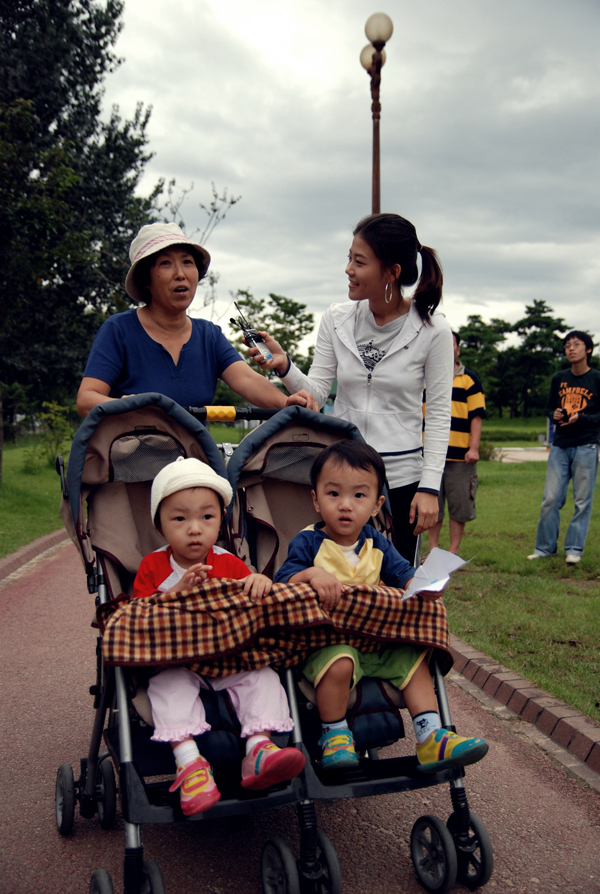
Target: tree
[479, 348]
[68, 185]
[539, 354]
[283, 318]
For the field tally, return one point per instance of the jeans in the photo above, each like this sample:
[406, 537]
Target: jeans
[580, 464]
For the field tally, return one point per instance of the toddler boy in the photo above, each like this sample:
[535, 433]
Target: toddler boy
[348, 479]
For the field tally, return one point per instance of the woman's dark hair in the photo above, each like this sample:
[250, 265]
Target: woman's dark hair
[357, 455]
[394, 241]
[582, 336]
[141, 274]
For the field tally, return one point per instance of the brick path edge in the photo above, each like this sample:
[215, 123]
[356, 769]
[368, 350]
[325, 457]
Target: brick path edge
[13, 562]
[568, 727]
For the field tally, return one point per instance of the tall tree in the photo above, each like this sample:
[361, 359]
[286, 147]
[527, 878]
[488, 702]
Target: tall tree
[539, 354]
[479, 349]
[68, 182]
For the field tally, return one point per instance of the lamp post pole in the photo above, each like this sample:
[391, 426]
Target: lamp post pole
[379, 29]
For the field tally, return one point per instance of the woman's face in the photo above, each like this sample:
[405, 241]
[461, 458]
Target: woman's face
[366, 277]
[173, 280]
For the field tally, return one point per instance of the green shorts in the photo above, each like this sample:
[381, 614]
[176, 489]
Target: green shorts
[396, 663]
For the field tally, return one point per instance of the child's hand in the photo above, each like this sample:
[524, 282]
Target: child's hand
[194, 576]
[430, 595]
[327, 587]
[257, 586]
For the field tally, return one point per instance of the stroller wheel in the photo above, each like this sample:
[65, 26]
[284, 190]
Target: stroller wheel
[278, 868]
[106, 794]
[65, 799]
[153, 880]
[101, 882]
[433, 854]
[328, 858]
[476, 857]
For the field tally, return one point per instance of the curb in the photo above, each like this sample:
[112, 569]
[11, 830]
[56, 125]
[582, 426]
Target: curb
[15, 561]
[578, 734]
[573, 731]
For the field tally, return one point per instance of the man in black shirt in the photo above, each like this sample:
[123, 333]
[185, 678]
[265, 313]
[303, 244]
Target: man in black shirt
[574, 406]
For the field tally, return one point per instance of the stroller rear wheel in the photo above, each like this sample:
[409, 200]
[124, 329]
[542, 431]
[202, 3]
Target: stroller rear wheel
[65, 799]
[476, 857]
[278, 868]
[153, 880]
[433, 854]
[101, 882]
[106, 794]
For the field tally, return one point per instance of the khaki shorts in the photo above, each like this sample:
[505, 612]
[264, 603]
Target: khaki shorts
[458, 489]
[396, 663]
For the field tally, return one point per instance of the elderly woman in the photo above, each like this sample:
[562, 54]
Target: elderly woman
[157, 346]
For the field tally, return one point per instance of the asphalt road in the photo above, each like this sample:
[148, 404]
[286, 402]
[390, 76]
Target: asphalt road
[544, 825]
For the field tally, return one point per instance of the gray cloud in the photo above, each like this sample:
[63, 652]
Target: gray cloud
[490, 128]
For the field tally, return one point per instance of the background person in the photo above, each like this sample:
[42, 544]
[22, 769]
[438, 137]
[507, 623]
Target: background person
[384, 348]
[459, 481]
[574, 406]
[157, 346]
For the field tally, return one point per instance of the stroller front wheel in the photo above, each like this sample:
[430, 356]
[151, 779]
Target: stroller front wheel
[475, 856]
[433, 854]
[278, 868]
[65, 799]
[106, 794]
[101, 882]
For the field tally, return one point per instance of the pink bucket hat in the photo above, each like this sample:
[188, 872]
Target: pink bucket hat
[153, 238]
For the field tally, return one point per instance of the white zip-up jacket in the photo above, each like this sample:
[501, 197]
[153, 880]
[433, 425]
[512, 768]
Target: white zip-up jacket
[386, 404]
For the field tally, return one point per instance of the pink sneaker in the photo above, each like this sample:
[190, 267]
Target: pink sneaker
[199, 791]
[266, 765]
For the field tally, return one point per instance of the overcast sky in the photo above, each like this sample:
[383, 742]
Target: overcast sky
[490, 137]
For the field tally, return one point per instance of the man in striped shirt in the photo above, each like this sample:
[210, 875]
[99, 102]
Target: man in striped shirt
[459, 481]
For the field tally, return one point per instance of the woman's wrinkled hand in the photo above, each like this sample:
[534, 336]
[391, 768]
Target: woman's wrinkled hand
[303, 399]
[425, 509]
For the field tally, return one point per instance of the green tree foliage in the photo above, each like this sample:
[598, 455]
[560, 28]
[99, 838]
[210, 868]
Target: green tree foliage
[283, 318]
[516, 377]
[67, 188]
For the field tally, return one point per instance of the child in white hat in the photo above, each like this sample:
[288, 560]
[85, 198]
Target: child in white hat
[188, 502]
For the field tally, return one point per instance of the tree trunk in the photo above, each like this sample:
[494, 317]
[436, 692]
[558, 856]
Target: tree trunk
[1, 434]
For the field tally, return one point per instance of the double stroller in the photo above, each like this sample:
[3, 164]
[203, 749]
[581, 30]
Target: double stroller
[116, 453]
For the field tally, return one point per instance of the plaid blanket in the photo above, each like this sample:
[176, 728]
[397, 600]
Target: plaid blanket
[217, 631]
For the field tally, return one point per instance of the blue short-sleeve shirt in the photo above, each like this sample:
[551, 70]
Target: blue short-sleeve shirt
[125, 357]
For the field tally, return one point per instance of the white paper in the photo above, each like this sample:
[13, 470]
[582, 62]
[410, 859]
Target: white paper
[434, 573]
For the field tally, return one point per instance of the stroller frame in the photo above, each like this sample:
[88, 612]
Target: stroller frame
[439, 854]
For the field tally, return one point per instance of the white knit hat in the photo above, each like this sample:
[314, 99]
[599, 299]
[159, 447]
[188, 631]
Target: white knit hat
[184, 473]
[154, 238]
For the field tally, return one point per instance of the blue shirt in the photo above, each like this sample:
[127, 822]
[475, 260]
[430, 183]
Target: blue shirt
[380, 562]
[125, 357]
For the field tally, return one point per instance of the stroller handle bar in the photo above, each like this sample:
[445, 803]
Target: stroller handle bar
[230, 414]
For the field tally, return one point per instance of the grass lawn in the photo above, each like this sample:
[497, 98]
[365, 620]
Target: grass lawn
[29, 504]
[538, 617]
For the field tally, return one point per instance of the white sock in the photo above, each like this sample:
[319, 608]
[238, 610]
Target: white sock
[185, 752]
[338, 724]
[252, 740]
[424, 724]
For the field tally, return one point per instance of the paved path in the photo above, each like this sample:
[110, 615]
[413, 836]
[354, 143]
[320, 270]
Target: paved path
[544, 821]
[522, 454]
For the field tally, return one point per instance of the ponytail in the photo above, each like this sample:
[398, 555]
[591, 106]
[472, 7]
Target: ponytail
[428, 293]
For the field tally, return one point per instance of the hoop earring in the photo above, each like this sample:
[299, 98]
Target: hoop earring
[388, 300]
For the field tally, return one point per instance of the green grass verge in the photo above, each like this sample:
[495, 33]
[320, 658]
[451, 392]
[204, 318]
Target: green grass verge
[29, 504]
[538, 617]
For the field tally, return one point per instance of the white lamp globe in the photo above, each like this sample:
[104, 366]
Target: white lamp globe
[379, 27]
[366, 56]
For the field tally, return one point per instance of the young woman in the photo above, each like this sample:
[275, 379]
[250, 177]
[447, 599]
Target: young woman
[384, 348]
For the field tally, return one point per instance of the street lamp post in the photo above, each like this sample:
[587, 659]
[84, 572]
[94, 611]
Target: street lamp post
[379, 29]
